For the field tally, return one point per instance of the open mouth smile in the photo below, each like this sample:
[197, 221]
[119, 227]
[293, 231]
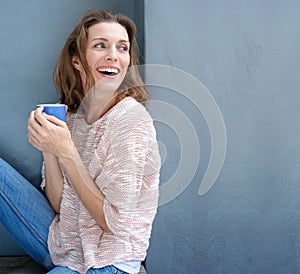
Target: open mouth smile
[108, 71]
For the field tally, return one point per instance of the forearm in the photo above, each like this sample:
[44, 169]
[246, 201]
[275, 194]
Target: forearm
[45, 133]
[88, 192]
[54, 181]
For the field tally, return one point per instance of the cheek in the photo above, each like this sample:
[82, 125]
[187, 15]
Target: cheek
[92, 57]
[126, 61]
[89, 58]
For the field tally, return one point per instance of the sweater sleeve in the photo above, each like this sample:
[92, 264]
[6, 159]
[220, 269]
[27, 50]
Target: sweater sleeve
[131, 172]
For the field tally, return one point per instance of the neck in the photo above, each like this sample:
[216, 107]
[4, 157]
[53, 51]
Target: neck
[96, 103]
[95, 110]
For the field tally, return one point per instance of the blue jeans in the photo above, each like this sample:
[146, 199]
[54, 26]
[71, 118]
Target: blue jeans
[26, 214]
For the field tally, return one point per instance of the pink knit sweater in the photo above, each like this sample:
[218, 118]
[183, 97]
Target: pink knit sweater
[121, 154]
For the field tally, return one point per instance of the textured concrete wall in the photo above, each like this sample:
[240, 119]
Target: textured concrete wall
[247, 54]
[32, 33]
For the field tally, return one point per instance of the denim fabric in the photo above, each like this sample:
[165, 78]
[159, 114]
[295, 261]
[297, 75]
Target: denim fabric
[105, 270]
[25, 213]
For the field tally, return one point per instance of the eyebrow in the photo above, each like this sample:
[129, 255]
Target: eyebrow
[106, 40]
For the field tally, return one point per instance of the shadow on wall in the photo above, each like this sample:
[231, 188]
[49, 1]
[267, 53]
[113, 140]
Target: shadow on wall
[247, 54]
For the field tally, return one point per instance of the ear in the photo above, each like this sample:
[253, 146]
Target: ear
[76, 63]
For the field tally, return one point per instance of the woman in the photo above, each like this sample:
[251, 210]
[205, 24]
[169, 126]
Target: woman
[101, 168]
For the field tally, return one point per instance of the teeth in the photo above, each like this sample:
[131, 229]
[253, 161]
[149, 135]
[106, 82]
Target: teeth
[108, 70]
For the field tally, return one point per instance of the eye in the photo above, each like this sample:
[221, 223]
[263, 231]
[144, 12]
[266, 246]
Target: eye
[99, 46]
[124, 48]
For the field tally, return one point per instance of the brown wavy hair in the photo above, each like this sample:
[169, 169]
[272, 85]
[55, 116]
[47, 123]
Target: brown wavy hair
[67, 79]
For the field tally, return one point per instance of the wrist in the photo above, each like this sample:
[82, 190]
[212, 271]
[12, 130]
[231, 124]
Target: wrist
[48, 155]
[68, 154]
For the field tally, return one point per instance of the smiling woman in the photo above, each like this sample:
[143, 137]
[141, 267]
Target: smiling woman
[101, 182]
[93, 37]
[107, 54]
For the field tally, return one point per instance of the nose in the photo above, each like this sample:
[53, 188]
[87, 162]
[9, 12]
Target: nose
[112, 55]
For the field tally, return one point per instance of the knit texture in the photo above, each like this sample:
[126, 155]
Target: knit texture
[121, 154]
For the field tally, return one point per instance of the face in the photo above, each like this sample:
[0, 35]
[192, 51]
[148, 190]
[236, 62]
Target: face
[107, 54]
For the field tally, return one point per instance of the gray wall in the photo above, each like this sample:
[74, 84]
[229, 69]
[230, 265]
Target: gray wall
[247, 54]
[32, 33]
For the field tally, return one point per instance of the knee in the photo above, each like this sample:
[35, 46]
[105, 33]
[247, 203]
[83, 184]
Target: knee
[3, 164]
[2, 171]
[4, 167]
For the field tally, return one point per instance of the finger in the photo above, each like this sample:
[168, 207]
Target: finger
[40, 108]
[36, 138]
[38, 111]
[40, 116]
[33, 140]
[32, 131]
[54, 120]
[33, 123]
[30, 118]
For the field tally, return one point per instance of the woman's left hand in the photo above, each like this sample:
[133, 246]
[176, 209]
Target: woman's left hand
[49, 134]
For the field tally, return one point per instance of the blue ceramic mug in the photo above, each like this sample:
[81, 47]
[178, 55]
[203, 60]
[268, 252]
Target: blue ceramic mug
[57, 110]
